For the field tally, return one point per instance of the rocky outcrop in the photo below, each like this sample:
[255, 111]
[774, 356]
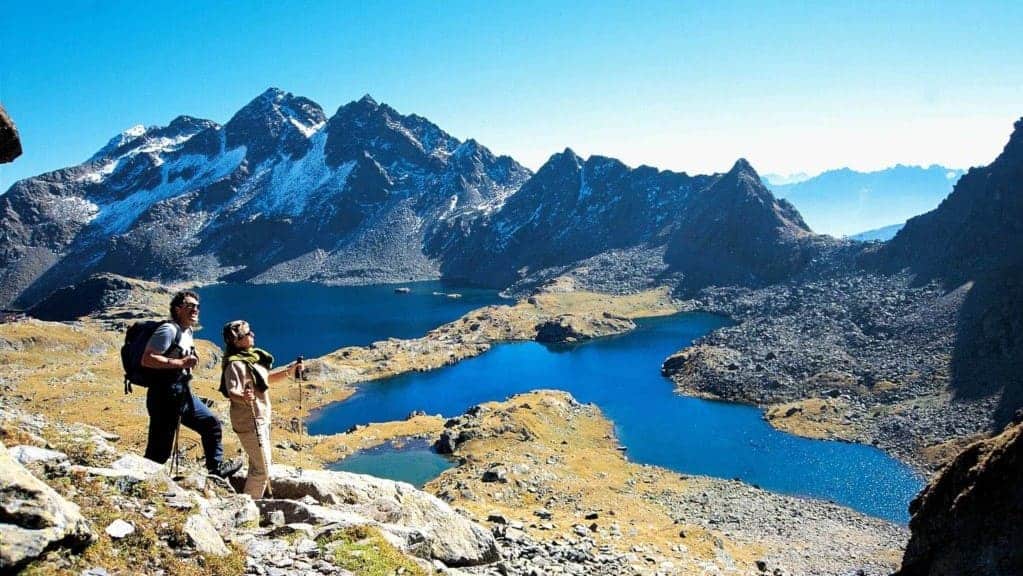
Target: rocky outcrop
[106, 295]
[546, 473]
[154, 520]
[872, 349]
[975, 239]
[441, 533]
[967, 519]
[33, 517]
[10, 144]
[569, 328]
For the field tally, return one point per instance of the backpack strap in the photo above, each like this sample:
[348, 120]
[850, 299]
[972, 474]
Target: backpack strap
[176, 343]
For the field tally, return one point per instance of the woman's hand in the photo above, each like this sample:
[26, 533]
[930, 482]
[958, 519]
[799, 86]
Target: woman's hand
[250, 394]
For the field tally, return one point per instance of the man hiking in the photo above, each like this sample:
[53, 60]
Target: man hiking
[170, 354]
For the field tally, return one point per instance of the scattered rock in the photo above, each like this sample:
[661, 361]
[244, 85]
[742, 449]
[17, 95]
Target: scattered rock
[35, 517]
[119, 529]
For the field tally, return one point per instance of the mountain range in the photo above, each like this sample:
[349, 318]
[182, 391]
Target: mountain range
[281, 192]
[846, 202]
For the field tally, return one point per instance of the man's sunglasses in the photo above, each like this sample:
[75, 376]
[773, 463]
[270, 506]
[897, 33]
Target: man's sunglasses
[190, 306]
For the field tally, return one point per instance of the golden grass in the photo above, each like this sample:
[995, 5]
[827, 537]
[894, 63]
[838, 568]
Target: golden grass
[820, 418]
[577, 458]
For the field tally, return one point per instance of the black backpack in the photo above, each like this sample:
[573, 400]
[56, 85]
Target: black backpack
[135, 340]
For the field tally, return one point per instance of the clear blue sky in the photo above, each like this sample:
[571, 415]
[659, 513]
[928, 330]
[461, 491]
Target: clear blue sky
[686, 86]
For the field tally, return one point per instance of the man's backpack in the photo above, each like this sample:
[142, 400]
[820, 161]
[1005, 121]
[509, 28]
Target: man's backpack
[135, 340]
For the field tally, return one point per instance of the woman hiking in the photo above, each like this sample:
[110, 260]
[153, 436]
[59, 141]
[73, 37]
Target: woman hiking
[245, 380]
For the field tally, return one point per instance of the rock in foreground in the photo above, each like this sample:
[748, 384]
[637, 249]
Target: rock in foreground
[33, 517]
[445, 535]
[967, 520]
[10, 144]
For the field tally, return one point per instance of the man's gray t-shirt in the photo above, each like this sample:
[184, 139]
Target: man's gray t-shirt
[163, 337]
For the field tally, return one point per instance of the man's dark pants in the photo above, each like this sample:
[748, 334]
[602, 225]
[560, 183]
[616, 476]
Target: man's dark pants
[164, 403]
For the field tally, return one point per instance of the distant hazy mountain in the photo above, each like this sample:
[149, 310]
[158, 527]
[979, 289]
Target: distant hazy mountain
[878, 234]
[843, 202]
[780, 179]
[282, 192]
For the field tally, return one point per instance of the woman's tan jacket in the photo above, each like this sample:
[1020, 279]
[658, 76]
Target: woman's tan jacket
[237, 376]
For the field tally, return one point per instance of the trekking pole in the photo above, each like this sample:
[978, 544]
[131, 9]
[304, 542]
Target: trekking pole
[263, 449]
[175, 455]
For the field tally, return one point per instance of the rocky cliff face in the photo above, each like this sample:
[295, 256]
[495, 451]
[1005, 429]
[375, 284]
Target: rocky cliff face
[967, 520]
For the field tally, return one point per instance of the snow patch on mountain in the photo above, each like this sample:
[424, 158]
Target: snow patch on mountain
[306, 130]
[294, 183]
[584, 188]
[100, 173]
[73, 209]
[117, 217]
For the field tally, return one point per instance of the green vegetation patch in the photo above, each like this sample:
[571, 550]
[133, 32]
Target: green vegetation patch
[364, 551]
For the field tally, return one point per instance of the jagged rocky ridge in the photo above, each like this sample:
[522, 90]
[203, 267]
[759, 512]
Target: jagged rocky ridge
[284, 193]
[280, 192]
[722, 228]
[975, 238]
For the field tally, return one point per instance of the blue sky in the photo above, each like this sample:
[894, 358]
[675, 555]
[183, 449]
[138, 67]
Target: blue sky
[685, 86]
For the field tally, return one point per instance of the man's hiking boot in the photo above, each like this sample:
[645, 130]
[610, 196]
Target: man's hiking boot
[227, 468]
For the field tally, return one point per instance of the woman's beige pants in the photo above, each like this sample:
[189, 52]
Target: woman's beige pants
[259, 459]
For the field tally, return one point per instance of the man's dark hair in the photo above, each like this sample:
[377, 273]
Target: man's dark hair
[179, 299]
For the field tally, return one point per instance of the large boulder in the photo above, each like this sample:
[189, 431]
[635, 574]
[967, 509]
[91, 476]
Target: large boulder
[967, 519]
[33, 517]
[449, 537]
[10, 144]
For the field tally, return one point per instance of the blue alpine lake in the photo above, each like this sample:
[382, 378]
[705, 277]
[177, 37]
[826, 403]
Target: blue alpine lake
[622, 376]
[309, 319]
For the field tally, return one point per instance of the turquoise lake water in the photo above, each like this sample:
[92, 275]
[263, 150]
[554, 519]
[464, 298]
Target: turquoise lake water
[312, 319]
[622, 376]
[414, 462]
